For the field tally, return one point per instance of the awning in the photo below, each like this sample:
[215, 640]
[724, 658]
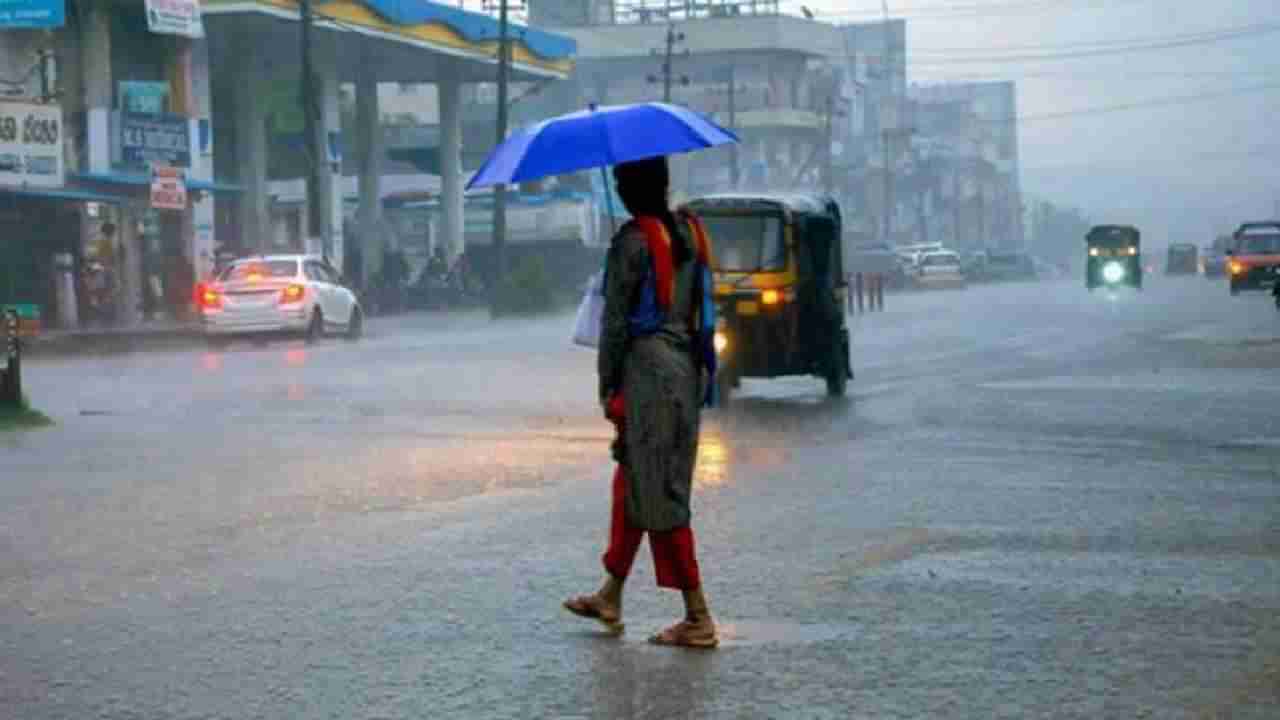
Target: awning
[440, 29]
[71, 194]
[141, 180]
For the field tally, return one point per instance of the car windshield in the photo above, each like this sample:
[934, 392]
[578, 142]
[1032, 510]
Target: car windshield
[1261, 244]
[746, 243]
[260, 269]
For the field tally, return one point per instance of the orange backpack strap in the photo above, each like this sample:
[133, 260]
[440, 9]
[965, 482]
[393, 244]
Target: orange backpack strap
[659, 241]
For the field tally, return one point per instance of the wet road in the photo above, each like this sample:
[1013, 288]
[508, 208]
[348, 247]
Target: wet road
[1035, 503]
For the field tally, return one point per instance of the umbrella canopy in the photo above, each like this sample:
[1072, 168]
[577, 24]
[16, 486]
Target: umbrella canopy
[597, 138]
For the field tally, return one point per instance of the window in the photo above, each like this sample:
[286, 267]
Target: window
[746, 243]
[257, 269]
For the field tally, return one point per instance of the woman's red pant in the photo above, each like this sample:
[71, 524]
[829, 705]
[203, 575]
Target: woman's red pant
[673, 557]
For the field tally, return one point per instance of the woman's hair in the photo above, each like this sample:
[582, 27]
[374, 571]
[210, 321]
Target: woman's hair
[643, 185]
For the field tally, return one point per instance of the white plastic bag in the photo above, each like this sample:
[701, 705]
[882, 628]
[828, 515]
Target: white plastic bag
[590, 319]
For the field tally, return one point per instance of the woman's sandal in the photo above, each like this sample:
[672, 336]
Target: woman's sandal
[689, 635]
[591, 607]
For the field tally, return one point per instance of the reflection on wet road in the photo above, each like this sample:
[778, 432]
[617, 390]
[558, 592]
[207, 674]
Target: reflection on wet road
[1033, 503]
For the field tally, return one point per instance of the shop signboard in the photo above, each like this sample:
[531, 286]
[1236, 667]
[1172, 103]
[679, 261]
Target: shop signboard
[168, 188]
[32, 14]
[31, 144]
[174, 17]
[147, 140]
[144, 98]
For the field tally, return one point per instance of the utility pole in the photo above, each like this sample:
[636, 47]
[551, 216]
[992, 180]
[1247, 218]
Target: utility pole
[734, 171]
[313, 147]
[673, 37]
[500, 190]
[886, 72]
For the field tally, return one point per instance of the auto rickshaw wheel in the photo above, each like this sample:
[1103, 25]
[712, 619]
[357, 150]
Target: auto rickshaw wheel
[726, 381]
[838, 368]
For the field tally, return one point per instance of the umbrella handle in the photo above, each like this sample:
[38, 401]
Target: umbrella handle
[608, 200]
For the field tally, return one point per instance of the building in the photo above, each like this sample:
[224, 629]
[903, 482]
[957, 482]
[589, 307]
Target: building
[772, 77]
[131, 162]
[116, 93]
[967, 139]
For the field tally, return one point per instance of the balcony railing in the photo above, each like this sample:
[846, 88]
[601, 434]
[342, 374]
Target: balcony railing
[661, 11]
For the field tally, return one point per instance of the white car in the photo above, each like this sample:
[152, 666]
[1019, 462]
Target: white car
[278, 295]
[939, 269]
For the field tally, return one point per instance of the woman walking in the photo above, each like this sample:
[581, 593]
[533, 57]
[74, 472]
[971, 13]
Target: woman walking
[653, 379]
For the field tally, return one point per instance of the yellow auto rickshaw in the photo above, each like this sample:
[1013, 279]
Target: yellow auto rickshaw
[780, 287]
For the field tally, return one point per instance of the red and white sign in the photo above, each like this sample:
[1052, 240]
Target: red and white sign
[168, 189]
[175, 17]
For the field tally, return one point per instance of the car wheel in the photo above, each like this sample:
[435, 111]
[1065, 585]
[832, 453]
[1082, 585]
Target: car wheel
[355, 326]
[315, 328]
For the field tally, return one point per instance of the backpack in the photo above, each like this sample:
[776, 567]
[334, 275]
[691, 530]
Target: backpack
[650, 313]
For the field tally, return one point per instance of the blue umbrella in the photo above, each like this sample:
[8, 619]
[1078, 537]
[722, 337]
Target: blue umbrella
[597, 138]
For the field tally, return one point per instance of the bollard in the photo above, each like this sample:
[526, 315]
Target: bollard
[11, 385]
[857, 288]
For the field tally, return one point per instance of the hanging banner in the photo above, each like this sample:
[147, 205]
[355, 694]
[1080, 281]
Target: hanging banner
[32, 14]
[31, 145]
[174, 17]
[147, 140]
[168, 188]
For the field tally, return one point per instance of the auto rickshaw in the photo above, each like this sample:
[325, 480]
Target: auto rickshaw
[1183, 259]
[780, 287]
[1115, 257]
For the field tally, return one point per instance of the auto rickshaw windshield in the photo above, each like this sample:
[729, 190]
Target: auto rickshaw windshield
[746, 243]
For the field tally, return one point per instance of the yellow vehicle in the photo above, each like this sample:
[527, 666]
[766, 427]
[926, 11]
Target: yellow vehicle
[780, 287]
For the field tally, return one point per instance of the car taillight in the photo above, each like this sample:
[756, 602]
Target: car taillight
[293, 293]
[210, 299]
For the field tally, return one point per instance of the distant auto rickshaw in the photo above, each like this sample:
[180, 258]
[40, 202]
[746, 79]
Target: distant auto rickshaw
[1115, 257]
[780, 287]
[1183, 259]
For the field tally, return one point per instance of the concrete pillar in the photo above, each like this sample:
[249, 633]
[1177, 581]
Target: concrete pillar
[96, 74]
[201, 130]
[369, 152]
[451, 216]
[250, 115]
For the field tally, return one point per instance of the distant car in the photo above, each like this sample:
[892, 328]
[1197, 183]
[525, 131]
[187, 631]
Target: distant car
[1182, 259]
[1254, 260]
[278, 295]
[1213, 258]
[939, 269]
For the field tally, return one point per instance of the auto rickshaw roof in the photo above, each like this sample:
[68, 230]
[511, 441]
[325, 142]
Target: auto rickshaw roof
[1113, 234]
[804, 203]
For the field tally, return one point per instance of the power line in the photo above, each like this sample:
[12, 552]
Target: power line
[1204, 35]
[1140, 105]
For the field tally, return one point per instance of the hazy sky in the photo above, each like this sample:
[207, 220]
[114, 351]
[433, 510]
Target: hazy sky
[1195, 167]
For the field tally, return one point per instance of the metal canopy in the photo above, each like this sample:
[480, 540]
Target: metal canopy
[454, 43]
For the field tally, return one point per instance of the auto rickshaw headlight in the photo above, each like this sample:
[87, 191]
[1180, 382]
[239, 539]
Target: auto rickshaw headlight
[1113, 272]
[770, 297]
[721, 342]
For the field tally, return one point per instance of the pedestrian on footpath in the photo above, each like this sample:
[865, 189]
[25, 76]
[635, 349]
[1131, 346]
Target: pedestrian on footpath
[652, 385]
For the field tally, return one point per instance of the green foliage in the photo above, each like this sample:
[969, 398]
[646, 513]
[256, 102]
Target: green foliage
[21, 416]
[529, 289]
